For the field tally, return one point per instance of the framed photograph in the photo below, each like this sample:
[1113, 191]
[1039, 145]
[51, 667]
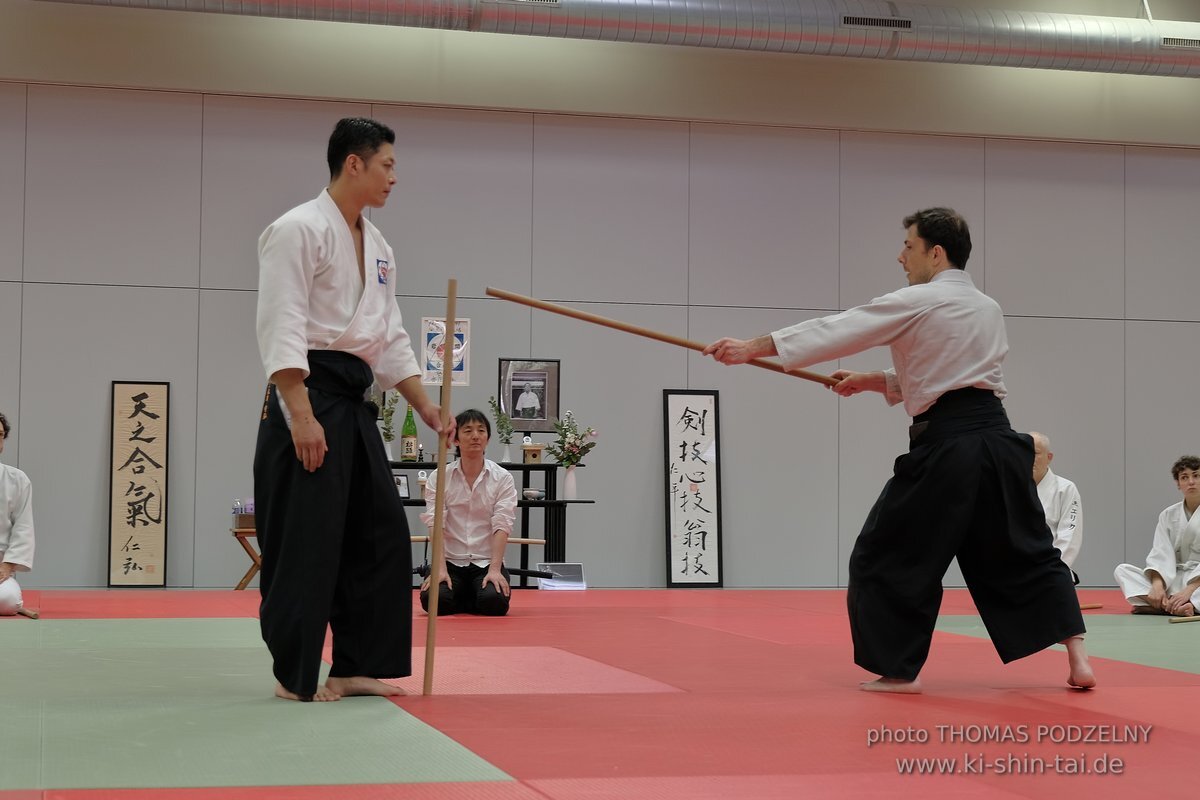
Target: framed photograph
[402, 486]
[529, 393]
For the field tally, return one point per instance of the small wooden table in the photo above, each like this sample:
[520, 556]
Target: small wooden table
[243, 535]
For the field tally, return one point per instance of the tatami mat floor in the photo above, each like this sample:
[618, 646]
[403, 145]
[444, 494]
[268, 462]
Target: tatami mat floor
[665, 694]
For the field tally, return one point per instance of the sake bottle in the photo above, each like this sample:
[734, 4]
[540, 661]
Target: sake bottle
[408, 437]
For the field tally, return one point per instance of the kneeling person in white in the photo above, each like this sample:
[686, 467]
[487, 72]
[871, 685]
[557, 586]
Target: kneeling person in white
[1170, 581]
[480, 507]
[16, 528]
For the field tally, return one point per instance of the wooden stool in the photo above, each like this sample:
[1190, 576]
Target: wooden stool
[243, 535]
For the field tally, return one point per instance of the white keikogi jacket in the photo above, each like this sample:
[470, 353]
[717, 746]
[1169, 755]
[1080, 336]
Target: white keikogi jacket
[312, 298]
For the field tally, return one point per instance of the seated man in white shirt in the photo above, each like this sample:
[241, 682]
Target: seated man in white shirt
[480, 506]
[1060, 499]
[16, 528]
[1170, 581]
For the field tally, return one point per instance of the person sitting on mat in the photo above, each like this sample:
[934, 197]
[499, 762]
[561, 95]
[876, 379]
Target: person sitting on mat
[1170, 581]
[480, 507]
[1060, 499]
[16, 528]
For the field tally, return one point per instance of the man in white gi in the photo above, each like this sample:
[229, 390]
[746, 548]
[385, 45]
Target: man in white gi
[335, 544]
[16, 528]
[480, 506]
[1060, 500]
[528, 406]
[962, 490]
[1170, 581]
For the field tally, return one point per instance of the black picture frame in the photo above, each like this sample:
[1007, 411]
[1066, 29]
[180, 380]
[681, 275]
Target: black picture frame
[538, 377]
[692, 488]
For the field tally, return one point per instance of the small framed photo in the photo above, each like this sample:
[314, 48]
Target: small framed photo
[402, 486]
[529, 393]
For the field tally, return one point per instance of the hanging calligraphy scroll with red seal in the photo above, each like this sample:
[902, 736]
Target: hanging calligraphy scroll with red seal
[137, 528]
[693, 489]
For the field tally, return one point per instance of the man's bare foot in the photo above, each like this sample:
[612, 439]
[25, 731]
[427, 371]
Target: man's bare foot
[1185, 610]
[1145, 610]
[360, 685]
[893, 685]
[322, 695]
[1081, 675]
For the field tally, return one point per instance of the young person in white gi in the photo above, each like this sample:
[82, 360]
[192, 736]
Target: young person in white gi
[16, 528]
[963, 489]
[1061, 502]
[334, 539]
[480, 506]
[1170, 581]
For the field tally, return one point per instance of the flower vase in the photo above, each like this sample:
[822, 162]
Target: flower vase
[387, 450]
[507, 457]
[570, 492]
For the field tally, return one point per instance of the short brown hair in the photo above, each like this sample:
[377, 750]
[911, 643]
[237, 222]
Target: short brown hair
[1184, 462]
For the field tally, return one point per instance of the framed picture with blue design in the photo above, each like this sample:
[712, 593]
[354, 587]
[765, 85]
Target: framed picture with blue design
[434, 349]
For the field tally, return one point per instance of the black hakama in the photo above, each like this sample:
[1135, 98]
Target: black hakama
[965, 489]
[335, 542]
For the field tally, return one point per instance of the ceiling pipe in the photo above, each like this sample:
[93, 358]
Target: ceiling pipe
[849, 28]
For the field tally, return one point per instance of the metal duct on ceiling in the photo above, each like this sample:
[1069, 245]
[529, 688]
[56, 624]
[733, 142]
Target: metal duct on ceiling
[848, 28]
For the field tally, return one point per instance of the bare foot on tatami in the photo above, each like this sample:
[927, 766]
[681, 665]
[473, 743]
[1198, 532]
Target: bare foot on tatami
[322, 695]
[1081, 675]
[360, 686]
[892, 685]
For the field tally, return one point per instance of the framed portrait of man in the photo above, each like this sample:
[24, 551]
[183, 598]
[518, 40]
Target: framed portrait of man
[528, 393]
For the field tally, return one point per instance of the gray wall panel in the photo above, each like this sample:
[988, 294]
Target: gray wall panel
[462, 207]
[613, 382]
[229, 398]
[779, 440]
[763, 201]
[112, 187]
[1050, 363]
[1160, 387]
[262, 156]
[610, 214]
[114, 333]
[10, 367]
[1055, 222]
[12, 179]
[1162, 238]
[886, 177]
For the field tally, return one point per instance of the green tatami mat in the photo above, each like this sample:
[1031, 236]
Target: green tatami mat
[187, 703]
[1147, 640]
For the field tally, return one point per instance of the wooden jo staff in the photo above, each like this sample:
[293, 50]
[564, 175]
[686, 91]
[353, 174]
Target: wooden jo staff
[637, 330]
[439, 501]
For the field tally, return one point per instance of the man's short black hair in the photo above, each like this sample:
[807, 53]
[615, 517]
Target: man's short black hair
[4, 424]
[945, 227]
[474, 415]
[358, 135]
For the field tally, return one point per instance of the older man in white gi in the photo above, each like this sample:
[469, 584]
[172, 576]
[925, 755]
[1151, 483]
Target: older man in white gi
[1061, 502]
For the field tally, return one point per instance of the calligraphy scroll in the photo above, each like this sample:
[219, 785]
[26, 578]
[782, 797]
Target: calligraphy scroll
[693, 487]
[137, 527]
